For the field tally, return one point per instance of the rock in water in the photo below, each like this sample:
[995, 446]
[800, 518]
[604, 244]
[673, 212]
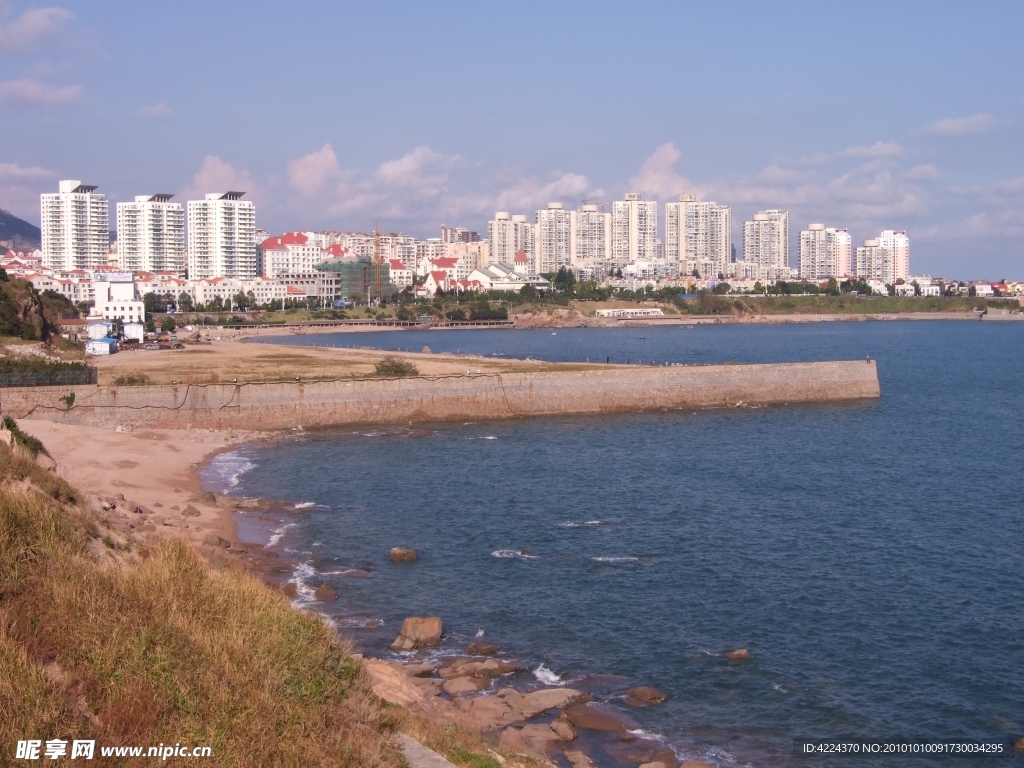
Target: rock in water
[484, 649]
[417, 631]
[644, 696]
[695, 764]
[740, 654]
[588, 717]
[402, 555]
[578, 759]
[459, 685]
[325, 593]
[290, 589]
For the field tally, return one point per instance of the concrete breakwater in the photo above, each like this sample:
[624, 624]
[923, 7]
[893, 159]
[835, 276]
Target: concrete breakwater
[288, 404]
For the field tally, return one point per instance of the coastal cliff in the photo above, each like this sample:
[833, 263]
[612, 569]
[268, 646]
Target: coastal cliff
[285, 405]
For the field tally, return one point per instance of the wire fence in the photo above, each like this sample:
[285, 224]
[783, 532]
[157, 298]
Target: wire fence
[51, 375]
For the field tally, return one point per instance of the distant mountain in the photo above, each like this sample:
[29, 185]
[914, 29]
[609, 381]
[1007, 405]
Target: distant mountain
[18, 233]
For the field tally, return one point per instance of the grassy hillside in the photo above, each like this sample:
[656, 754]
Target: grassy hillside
[99, 640]
[18, 232]
[22, 313]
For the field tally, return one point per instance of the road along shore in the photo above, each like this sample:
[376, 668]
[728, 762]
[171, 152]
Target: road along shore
[287, 405]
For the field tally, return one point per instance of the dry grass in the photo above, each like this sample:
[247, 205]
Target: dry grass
[165, 648]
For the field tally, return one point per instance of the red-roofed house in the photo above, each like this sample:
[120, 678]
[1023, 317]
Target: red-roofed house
[289, 254]
[523, 263]
[401, 275]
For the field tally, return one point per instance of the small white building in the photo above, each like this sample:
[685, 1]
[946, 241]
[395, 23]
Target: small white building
[99, 330]
[104, 346]
[628, 312]
[135, 331]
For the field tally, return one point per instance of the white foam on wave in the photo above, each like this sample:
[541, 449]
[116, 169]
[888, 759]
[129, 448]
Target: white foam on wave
[509, 553]
[302, 572]
[546, 676]
[305, 505]
[484, 437]
[778, 687]
[275, 537]
[627, 559]
[580, 523]
[479, 633]
[229, 467]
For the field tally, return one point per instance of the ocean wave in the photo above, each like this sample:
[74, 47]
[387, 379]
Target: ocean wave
[305, 505]
[357, 622]
[581, 523]
[275, 537]
[546, 676]
[302, 573]
[484, 437]
[626, 559]
[509, 553]
[227, 468]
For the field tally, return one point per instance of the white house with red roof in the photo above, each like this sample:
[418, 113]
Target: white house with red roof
[291, 253]
[401, 275]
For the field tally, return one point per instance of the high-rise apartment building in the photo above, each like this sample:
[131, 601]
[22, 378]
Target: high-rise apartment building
[509, 235]
[458, 235]
[874, 262]
[634, 231]
[151, 235]
[591, 238]
[553, 243]
[75, 224]
[766, 239]
[824, 252]
[222, 237]
[698, 236]
[898, 245]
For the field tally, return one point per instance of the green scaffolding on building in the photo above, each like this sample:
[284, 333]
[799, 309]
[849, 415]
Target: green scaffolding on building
[356, 278]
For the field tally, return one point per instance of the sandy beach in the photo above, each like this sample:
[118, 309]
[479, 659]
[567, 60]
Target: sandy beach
[157, 469]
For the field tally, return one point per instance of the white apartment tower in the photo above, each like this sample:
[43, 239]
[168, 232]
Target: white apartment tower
[875, 262]
[222, 237]
[591, 238]
[151, 235]
[824, 252]
[634, 231]
[75, 224]
[898, 245]
[508, 236]
[698, 236]
[766, 239]
[553, 244]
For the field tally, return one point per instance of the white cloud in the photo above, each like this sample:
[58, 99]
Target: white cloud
[161, 111]
[924, 172]
[32, 27]
[878, 149]
[658, 178]
[421, 170]
[31, 93]
[961, 126]
[20, 188]
[217, 176]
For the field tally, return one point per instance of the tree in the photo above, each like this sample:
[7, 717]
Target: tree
[168, 324]
[758, 288]
[721, 289]
[696, 273]
[185, 303]
[833, 287]
[240, 301]
[528, 292]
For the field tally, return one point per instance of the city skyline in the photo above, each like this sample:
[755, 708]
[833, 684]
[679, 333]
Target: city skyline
[908, 143]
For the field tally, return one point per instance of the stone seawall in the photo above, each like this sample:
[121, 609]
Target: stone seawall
[284, 405]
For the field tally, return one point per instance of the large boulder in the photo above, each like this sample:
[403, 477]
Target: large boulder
[489, 668]
[482, 648]
[594, 717]
[644, 696]
[461, 685]
[740, 654]
[402, 555]
[578, 759]
[418, 631]
[531, 741]
[214, 540]
[325, 593]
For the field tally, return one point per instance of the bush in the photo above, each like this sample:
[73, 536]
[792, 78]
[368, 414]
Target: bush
[28, 442]
[131, 380]
[395, 367]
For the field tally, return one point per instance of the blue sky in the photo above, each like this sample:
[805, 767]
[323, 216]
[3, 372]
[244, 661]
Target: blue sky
[867, 116]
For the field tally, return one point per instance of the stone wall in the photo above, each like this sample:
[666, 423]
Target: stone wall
[284, 405]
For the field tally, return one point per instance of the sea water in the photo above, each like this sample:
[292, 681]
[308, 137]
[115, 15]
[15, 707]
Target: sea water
[869, 555]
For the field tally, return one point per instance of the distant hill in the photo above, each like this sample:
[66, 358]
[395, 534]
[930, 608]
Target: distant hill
[18, 233]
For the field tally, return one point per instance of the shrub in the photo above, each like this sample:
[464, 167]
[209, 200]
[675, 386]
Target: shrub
[395, 367]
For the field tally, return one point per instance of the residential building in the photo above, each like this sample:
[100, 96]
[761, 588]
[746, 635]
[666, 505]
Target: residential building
[766, 239]
[222, 237]
[151, 235]
[898, 245]
[401, 275]
[458, 235]
[468, 255]
[290, 253]
[824, 253]
[634, 231]
[698, 235]
[75, 224]
[553, 244]
[591, 239]
[508, 235]
[431, 248]
[505, 277]
[874, 262]
[116, 299]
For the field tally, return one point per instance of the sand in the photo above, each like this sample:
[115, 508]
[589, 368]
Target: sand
[155, 468]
